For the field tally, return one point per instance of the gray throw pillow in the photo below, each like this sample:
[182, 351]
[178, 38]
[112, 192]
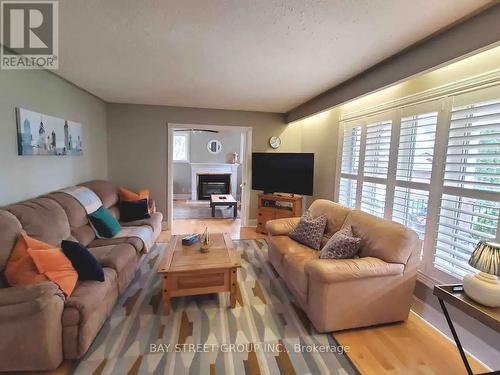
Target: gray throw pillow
[342, 245]
[309, 230]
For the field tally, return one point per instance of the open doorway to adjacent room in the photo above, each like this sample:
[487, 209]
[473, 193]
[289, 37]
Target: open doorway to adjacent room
[208, 169]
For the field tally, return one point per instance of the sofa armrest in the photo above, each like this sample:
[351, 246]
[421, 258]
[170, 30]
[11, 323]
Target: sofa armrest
[337, 270]
[16, 302]
[30, 326]
[281, 227]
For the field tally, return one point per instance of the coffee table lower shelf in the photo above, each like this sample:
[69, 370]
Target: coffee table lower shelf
[191, 283]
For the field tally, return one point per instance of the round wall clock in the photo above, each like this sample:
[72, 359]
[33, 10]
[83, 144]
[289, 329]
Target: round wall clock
[275, 142]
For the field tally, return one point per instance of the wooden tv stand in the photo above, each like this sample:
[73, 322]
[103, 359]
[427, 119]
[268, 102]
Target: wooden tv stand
[277, 206]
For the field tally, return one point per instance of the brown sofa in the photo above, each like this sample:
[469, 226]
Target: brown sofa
[339, 294]
[39, 328]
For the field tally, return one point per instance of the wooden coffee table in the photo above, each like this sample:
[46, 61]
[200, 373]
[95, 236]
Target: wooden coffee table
[223, 200]
[188, 272]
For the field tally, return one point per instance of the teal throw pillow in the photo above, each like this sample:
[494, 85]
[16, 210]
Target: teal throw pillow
[104, 223]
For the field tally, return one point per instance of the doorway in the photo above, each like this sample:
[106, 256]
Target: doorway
[205, 160]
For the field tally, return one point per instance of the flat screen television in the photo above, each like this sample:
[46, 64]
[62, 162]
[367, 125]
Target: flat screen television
[275, 172]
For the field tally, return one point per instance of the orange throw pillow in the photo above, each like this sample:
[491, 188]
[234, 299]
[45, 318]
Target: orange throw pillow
[33, 261]
[129, 196]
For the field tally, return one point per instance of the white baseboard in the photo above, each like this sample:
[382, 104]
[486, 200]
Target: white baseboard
[181, 196]
[252, 223]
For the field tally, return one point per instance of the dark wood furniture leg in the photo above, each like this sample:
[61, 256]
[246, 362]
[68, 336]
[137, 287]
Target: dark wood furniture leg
[166, 295]
[455, 337]
[232, 288]
[235, 207]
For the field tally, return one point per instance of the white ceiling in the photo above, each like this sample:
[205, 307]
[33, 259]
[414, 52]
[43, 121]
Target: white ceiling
[263, 55]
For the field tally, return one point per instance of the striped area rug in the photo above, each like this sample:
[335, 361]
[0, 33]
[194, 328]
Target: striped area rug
[266, 333]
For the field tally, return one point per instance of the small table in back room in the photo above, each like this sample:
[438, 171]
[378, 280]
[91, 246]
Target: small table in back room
[223, 200]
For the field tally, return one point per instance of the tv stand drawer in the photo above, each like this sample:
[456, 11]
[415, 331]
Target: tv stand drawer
[273, 206]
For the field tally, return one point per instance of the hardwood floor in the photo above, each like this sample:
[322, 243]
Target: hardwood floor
[183, 209]
[411, 347]
[231, 226]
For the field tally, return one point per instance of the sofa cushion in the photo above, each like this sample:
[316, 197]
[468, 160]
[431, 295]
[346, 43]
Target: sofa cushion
[134, 241]
[154, 221]
[85, 313]
[309, 230]
[83, 261]
[76, 214]
[87, 296]
[105, 190]
[121, 257]
[383, 239]
[11, 227]
[287, 246]
[281, 227]
[336, 270]
[84, 234]
[281, 246]
[43, 219]
[115, 212]
[31, 330]
[294, 270]
[335, 214]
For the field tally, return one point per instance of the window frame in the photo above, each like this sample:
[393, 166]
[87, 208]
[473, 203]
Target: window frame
[435, 188]
[469, 98]
[185, 135]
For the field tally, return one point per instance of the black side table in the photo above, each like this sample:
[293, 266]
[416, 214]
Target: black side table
[455, 296]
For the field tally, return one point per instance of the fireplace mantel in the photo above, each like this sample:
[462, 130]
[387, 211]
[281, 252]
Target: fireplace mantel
[219, 168]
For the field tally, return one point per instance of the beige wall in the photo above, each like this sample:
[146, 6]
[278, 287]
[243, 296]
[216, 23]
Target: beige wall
[137, 141]
[320, 132]
[24, 177]
[319, 135]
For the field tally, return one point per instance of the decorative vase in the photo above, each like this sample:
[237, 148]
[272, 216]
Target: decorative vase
[205, 241]
[483, 288]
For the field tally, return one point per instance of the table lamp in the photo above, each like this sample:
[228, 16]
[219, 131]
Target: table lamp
[484, 287]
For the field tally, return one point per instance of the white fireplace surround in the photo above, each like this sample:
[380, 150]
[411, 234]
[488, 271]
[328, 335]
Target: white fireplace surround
[215, 168]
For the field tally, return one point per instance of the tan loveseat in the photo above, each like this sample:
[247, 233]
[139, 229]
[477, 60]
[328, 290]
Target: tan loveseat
[339, 294]
[38, 326]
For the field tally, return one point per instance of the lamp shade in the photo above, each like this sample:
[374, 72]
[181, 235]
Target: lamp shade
[486, 257]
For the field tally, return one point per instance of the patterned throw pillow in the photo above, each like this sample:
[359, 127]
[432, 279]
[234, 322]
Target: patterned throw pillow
[309, 230]
[342, 245]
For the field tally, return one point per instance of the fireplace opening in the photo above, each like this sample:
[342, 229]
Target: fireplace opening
[209, 184]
